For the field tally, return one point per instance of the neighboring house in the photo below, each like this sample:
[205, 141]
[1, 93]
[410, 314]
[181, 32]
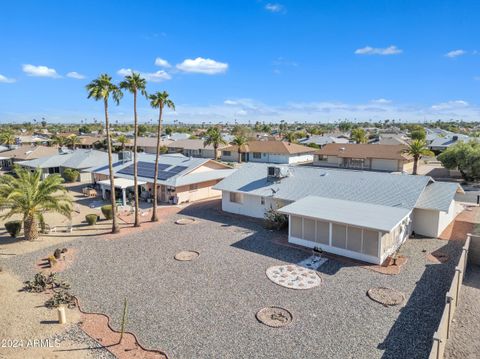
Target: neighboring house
[270, 152]
[145, 144]
[358, 214]
[178, 136]
[3, 148]
[180, 179]
[322, 140]
[87, 142]
[391, 139]
[194, 148]
[32, 140]
[389, 158]
[441, 143]
[79, 159]
[24, 153]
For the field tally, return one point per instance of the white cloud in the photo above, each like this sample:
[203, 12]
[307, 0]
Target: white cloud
[202, 66]
[39, 71]
[455, 53]
[6, 80]
[450, 105]
[381, 101]
[75, 75]
[157, 76]
[162, 63]
[275, 7]
[368, 50]
[230, 102]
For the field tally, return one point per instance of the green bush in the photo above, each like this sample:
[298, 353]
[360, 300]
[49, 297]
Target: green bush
[13, 228]
[70, 175]
[92, 218]
[107, 211]
[275, 220]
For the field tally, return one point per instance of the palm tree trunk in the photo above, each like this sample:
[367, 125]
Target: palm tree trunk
[30, 228]
[135, 164]
[159, 136]
[415, 165]
[115, 228]
[239, 155]
[215, 150]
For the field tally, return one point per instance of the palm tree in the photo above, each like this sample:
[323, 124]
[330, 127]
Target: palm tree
[72, 141]
[101, 89]
[7, 138]
[135, 83]
[58, 140]
[30, 196]
[123, 140]
[358, 135]
[240, 141]
[158, 100]
[213, 137]
[417, 149]
[291, 137]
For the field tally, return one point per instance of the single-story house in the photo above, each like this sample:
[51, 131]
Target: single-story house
[441, 143]
[391, 158]
[193, 148]
[87, 142]
[145, 144]
[79, 159]
[180, 179]
[363, 215]
[280, 152]
[322, 140]
[24, 153]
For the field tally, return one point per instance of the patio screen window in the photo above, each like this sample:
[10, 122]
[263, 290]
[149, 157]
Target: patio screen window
[257, 155]
[227, 153]
[53, 170]
[236, 197]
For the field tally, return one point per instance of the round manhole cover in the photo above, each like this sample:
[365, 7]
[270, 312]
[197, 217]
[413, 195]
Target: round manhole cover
[386, 296]
[184, 221]
[293, 276]
[274, 317]
[186, 256]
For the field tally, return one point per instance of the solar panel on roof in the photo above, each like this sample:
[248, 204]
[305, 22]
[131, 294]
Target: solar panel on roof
[178, 169]
[164, 175]
[127, 170]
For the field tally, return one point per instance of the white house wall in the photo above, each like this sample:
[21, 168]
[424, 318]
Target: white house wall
[251, 206]
[384, 165]
[432, 223]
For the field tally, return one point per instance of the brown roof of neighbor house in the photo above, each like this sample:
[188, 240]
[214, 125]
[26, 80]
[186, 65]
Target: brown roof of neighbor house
[192, 144]
[145, 142]
[23, 153]
[352, 150]
[89, 140]
[279, 147]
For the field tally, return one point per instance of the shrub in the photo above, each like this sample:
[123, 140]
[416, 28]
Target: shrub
[92, 218]
[58, 253]
[13, 228]
[275, 220]
[107, 211]
[70, 175]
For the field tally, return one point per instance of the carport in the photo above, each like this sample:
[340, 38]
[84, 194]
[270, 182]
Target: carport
[363, 231]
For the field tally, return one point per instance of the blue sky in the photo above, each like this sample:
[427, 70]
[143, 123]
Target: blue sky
[249, 60]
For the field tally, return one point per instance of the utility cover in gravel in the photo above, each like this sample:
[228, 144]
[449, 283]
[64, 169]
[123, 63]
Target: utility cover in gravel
[274, 317]
[293, 276]
[184, 221]
[186, 255]
[386, 296]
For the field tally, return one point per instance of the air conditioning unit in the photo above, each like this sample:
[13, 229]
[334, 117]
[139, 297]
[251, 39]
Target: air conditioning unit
[277, 172]
[125, 156]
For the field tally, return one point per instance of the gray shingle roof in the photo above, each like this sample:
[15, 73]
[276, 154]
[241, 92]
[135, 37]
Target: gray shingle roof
[78, 159]
[366, 215]
[438, 196]
[361, 186]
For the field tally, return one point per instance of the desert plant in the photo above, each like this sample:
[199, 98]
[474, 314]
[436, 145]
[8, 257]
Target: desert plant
[92, 218]
[57, 253]
[41, 282]
[70, 175]
[52, 260]
[13, 228]
[62, 297]
[275, 220]
[107, 211]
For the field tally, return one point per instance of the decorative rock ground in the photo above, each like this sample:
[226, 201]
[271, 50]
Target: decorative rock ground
[185, 221]
[293, 276]
[386, 296]
[274, 317]
[186, 256]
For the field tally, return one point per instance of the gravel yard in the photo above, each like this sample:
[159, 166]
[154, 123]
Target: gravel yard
[206, 308]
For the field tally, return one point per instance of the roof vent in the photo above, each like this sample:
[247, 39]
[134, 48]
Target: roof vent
[277, 172]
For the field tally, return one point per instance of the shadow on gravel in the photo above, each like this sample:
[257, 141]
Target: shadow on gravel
[472, 276]
[412, 334]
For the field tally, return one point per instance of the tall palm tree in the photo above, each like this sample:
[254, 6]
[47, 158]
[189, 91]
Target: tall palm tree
[134, 83]
[72, 141]
[213, 137]
[30, 196]
[240, 141]
[358, 135]
[58, 140]
[123, 140]
[417, 149]
[158, 100]
[101, 89]
[291, 136]
[7, 138]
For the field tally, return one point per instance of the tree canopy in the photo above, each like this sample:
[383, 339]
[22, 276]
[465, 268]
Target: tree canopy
[464, 156]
